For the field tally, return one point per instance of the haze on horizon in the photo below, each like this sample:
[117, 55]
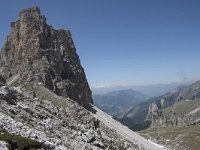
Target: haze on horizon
[125, 43]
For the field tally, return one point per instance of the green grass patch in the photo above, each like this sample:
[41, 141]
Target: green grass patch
[176, 137]
[15, 83]
[183, 107]
[19, 142]
[45, 94]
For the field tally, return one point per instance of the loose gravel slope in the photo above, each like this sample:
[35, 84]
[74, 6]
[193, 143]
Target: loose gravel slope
[126, 132]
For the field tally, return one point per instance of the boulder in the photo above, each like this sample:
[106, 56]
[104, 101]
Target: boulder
[3, 145]
[2, 80]
[8, 94]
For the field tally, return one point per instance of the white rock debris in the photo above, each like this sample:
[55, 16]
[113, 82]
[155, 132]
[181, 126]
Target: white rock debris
[58, 122]
[3, 145]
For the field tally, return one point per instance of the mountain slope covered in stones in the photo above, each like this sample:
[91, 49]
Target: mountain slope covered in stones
[58, 122]
[44, 94]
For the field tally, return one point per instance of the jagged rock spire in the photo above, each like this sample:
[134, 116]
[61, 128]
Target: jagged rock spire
[41, 54]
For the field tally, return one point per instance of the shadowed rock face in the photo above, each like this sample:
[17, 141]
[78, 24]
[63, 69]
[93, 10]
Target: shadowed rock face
[43, 55]
[2, 80]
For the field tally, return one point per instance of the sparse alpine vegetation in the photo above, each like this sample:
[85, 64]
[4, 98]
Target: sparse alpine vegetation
[19, 142]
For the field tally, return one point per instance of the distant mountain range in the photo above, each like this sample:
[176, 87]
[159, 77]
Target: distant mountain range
[117, 102]
[170, 109]
[150, 90]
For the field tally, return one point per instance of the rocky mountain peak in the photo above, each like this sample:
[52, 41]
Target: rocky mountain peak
[30, 21]
[32, 14]
[36, 53]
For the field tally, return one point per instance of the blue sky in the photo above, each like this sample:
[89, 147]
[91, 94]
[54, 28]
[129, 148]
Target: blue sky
[124, 42]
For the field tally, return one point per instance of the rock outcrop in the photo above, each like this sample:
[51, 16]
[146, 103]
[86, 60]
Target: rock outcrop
[39, 54]
[162, 102]
[2, 80]
[3, 145]
[169, 109]
[172, 119]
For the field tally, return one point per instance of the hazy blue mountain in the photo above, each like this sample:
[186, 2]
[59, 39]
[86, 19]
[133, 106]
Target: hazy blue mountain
[150, 90]
[116, 102]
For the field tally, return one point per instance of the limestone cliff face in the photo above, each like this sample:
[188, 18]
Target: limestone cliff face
[42, 55]
[169, 120]
[177, 108]
[173, 119]
[164, 101]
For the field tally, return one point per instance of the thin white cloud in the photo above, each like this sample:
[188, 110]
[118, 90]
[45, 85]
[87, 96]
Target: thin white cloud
[183, 75]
